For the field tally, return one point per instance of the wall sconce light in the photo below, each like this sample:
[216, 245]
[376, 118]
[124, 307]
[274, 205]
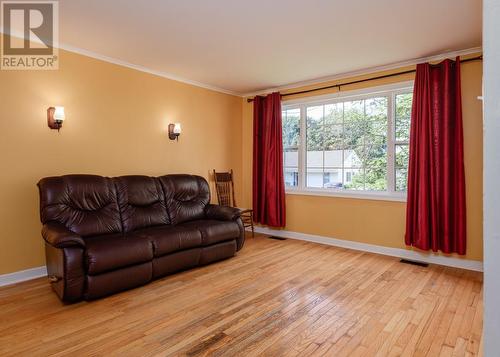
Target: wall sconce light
[55, 117]
[174, 130]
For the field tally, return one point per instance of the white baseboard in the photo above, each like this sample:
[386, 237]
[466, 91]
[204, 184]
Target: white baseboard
[23, 275]
[394, 252]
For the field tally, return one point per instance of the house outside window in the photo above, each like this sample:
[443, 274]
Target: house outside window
[349, 144]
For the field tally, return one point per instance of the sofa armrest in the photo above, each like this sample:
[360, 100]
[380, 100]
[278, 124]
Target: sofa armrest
[222, 213]
[59, 236]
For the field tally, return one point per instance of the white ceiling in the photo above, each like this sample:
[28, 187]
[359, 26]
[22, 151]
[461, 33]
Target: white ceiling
[247, 46]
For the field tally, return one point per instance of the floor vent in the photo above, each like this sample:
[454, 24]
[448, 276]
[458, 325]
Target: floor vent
[277, 238]
[412, 262]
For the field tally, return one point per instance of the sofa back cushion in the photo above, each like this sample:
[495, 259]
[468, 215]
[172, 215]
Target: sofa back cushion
[141, 202]
[186, 197]
[85, 204]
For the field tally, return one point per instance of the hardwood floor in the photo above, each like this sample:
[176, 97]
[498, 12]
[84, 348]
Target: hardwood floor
[275, 298]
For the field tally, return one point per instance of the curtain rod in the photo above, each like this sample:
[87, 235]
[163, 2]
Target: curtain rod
[478, 58]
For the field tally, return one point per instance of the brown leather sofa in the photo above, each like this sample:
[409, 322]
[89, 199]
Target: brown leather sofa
[104, 235]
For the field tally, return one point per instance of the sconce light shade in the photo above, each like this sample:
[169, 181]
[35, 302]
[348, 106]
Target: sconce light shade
[59, 114]
[174, 130]
[55, 117]
[177, 128]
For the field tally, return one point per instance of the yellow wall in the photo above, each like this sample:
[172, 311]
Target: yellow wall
[116, 124]
[381, 222]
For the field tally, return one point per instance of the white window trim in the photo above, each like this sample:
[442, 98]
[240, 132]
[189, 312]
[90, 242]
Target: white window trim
[390, 90]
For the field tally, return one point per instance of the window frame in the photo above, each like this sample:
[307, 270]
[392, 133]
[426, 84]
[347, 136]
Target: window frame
[390, 91]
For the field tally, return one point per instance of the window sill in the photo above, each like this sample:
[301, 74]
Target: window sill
[380, 196]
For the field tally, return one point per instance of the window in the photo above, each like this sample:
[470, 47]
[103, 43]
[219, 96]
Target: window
[352, 143]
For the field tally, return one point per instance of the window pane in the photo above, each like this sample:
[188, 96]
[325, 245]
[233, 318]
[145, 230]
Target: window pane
[403, 116]
[352, 175]
[314, 177]
[291, 127]
[375, 156]
[354, 133]
[333, 137]
[353, 156]
[401, 179]
[291, 158]
[315, 146]
[315, 164]
[291, 134]
[291, 177]
[402, 156]
[375, 131]
[315, 115]
[376, 108]
[402, 130]
[354, 123]
[315, 128]
[403, 105]
[334, 113]
[333, 158]
[354, 178]
[354, 112]
[332, 178]
[376, 178]
[315, 159]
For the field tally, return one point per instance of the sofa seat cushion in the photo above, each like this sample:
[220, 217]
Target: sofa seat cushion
[170, 239]
[213, 231]
[105, 253]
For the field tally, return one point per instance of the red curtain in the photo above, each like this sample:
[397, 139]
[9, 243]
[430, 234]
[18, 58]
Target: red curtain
[268, 183]
[435, 214]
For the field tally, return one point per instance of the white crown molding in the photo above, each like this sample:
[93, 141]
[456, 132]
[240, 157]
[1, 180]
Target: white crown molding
[377, 249]
[365, 71]
[136, 67]
[23, 275]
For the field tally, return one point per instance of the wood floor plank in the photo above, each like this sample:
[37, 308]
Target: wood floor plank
[275, 298]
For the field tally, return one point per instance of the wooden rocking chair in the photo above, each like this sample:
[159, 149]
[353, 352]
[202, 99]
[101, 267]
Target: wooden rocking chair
[224, 186]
